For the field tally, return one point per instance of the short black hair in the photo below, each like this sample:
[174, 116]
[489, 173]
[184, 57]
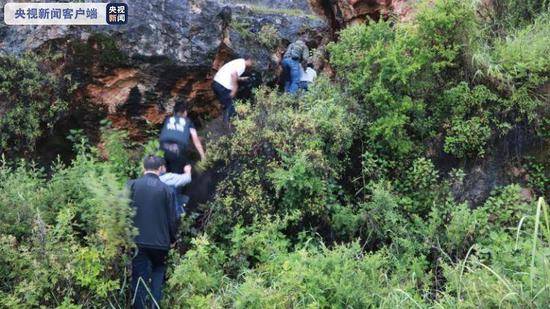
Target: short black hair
[247, 56]
[310, 65]
[180, 107]
[153, 163]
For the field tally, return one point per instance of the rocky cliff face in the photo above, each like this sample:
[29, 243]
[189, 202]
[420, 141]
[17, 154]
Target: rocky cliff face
[340, 13]
[169, 49]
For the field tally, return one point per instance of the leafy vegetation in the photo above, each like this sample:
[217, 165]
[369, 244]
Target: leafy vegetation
[31, 103]
[334, 198]
[269, 36]
[67, 238]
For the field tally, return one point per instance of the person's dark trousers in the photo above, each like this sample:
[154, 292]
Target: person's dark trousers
[224, 96]
[285, 75]
[293, 76]
[303, 85]
[180, 200]
[149, 265]
[174, 155]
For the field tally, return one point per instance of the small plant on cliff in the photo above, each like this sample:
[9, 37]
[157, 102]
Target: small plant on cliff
[242, 27]
[100, 49]
[269, 36]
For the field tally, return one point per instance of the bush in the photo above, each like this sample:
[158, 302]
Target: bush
[412, 88]
[65, 239]
[287, 153]
[519, 72]
[31, 103]
[21, 191]
[507, 206]
[197, 276]
[269, 36]
[468, 138]
[318, 278]
[511, 14]
[507, 270]
[391, 69]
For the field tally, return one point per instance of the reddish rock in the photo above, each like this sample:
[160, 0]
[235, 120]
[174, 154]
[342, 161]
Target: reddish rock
[169, 50]
[114, 89]
[527, 195]
[341, 13]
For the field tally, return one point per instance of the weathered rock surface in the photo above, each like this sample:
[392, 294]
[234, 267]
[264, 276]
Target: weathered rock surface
[340, 13]
[169, 49]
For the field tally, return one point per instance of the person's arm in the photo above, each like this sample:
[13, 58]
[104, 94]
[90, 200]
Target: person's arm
[197, 143]
[235, 84]
[305, 54]
[178, 180]
[313, 74]
[171, 213]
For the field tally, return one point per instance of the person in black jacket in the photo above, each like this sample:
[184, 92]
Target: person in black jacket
[155, 219]
[174, 138]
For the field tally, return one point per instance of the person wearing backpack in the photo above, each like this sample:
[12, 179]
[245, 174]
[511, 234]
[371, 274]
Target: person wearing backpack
[174, 139]
[295, 54]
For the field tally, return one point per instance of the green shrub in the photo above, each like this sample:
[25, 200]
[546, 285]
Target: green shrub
[507, 270]
[312, 277]
[197, 275]
[538, 177]
[526, 64]
[258, 243]
[468, 138]
[118, 152]
[507, 206]
[511, 14]
[286, 156]
[21, 189]
[464, 227]
[67, 238]
[99, 49]
[269, 36]
[421, 187]
[381, 217]
[391, 69]
[414, 80]
[299, 185]
[31, 103]
[516, 64]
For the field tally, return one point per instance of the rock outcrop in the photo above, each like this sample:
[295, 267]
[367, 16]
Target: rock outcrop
[169, 49]
[340, 13]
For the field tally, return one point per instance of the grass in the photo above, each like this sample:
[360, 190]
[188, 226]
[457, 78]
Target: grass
[260, 9]
[535, 237]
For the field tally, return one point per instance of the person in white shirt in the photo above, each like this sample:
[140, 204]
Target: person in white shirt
[226, 83]
[308, 76]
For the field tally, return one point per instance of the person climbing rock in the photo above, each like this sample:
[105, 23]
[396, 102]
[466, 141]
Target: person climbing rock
[174, 139]
[226, 83]
[175, 182]
[308, 76]
[295, 54]
[155, 220]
